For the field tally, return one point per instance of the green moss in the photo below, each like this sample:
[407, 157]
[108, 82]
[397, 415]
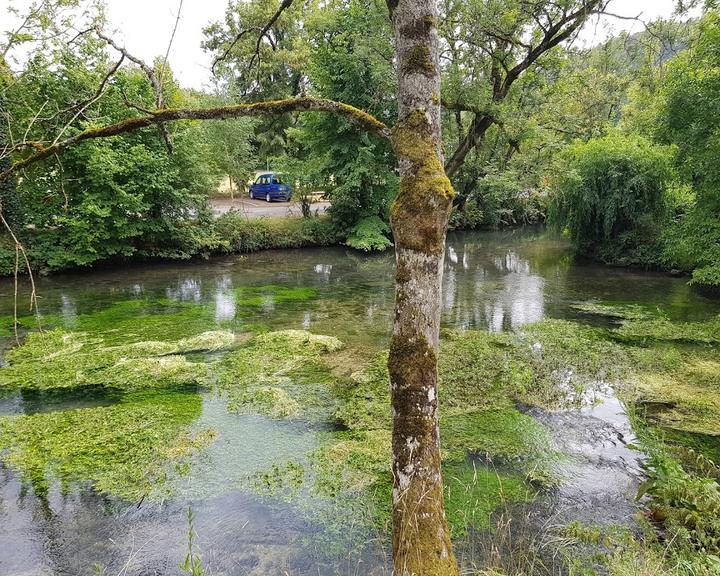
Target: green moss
[640, 323]
[284, 480]
[124, 449]
[352, 461]
[685, 399]
[421, 209]
[418, 60]
[478, 378]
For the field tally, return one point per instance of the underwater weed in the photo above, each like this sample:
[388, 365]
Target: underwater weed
[122, 449]
[280, 374]
[58, 359]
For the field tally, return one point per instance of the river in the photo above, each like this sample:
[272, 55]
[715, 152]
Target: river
[493, 281]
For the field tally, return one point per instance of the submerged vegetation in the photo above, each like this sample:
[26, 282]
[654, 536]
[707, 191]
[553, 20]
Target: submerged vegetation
[142, 386]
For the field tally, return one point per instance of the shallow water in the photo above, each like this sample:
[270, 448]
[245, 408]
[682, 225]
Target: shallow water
[493, 281]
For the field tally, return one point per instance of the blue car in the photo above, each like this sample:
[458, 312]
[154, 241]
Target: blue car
[270, 186]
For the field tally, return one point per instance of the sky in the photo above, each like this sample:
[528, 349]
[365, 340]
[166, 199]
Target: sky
[145, 27]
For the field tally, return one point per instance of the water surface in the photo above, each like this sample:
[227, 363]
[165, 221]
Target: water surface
[493, 281]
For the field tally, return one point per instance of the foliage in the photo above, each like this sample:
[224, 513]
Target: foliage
[687, 506]
[351, 63]
[369, 234]
[241, 234]
[610, 189]
[688, 117]
[111, 198]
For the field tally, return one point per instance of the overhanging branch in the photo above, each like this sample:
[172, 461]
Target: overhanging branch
[360, 119]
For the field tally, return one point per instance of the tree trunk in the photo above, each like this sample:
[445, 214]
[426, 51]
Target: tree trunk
[419, 217]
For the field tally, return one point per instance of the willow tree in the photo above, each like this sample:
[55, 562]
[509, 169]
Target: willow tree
[419, 218]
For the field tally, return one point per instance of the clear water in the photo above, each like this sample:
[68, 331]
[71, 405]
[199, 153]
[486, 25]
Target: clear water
[493, 281]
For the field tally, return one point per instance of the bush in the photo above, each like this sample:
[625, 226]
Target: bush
[240, 234]
[688, 118]
[500, 199]
[611, 188]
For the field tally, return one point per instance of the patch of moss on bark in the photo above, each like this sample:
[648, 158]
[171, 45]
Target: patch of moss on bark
[421, 209]
[418, 61]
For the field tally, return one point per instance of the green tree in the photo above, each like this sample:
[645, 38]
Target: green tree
[112, 198]
[688, 116]
[352, 63]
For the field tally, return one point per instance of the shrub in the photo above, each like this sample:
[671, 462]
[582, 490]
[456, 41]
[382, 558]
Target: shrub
[239, 234]
[609, 188]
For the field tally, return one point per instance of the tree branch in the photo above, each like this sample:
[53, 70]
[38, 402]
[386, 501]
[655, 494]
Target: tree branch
[262, 32]
[360, 119]
[553, 34]
[154, 80]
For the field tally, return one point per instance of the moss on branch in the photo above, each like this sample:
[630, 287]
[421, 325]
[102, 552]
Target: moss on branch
[360, 119]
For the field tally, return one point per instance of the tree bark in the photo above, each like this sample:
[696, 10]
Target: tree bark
[419, 217]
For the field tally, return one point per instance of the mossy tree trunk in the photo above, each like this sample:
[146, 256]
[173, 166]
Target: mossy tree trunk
[419, 217]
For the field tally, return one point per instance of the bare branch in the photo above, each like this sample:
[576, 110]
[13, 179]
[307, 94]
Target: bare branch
[150, 73]
[20, 249]
[170, 43]
[262, 33]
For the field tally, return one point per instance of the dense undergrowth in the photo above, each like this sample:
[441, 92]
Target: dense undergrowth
[126, 387]
[231, 233]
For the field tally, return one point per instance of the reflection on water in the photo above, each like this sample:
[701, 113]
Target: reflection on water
[492, 281]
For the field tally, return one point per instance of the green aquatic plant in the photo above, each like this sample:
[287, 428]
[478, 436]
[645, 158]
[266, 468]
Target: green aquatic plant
[504, 435]
[257, 296]
[473, 493]
[124, 449]
[280, 374]
[59, 359]
[480, 375]
[643, 323]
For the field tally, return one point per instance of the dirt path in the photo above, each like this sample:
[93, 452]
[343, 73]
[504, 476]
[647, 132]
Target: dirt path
[260, 208]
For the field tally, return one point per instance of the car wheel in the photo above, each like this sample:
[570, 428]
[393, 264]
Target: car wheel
[267, 197]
